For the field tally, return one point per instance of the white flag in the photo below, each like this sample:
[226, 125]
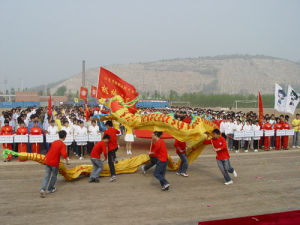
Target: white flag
[280, 99]
[292, 100]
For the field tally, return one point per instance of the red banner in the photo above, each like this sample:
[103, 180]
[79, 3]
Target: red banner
[83, 93]
[261, 110]
[110, 85]
[93, 91]
[50, 106]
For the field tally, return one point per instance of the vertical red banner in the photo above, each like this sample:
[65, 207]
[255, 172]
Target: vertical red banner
[261, 110]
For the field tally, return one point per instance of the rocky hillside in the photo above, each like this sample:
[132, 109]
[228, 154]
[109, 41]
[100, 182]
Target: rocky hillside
[221, 74]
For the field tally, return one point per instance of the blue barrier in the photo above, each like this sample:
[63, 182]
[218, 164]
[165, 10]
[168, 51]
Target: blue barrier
[18, 104]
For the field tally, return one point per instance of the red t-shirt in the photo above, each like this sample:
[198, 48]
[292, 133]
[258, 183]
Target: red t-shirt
[22, 131]
[7, 130]
[161, 150]
[53, 156]
[219, 143]
[286, 126]
[112, 144]
[180, 145]
[35, 131]
[267, 126]
[152, 150]
[98, 149]
[278, 126]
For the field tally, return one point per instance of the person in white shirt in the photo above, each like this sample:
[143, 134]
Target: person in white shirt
[272, 122]
[229, 133]
[223, 125]
[237, 127]
[93, 129]
[255, 127]
[68, 130]
[51, 130]
[81, 130]
[247, 127]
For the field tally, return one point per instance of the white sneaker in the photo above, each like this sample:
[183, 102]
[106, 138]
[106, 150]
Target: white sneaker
[130, 153]
[42, 193]
[143, 169]
[127, 152]
[113, 178]
[237, 151]
[81, 158]
[246, 150]
[177, 173]
[294, 146]
[229, 182]
[234, 173]
[255, 150]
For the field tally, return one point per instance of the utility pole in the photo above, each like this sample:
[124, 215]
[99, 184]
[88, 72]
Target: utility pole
[83, 73]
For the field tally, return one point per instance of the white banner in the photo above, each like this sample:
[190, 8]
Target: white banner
[280, 99]
[69, 139]
[94, 137]
[238, 135]
[36, 138]
[292, 100]
[269, 133]
[280, 132]
[81, 138]
[21, 138]
[6, 138]
[51, 137]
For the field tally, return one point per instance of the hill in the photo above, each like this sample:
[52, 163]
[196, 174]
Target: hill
[232, 74]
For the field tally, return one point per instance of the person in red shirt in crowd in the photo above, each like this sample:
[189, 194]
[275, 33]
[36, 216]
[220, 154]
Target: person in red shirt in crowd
[36, 130]
[57, 149]
[162, 160]
[22, 130]
[277, 126]
[267, 140]
[152, 155]
[95, 155]
[112, 148]
[285, 139]
[223, 159]
[7, 130]
[181, 152]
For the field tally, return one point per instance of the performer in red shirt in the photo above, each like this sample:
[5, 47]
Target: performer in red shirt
[267, 140]
[7, 130]
[112, 148]
[36, 130]
[22, 130]
[285, 139]
[57, 149]
[95, 155]
[181, 152]
[162, 160]
[277, 126]
[223, 159]
[152, 155]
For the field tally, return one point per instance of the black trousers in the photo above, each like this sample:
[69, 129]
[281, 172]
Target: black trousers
[90, 146]
[255, 144]
[236, 144]
[111, 158]
[153, 161]
[224, 135]
[247, 145]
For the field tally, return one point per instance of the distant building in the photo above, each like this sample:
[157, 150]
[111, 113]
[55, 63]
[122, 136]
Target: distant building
[32, 96]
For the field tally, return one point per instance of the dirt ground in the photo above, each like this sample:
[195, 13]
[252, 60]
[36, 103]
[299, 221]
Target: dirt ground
[267, 182]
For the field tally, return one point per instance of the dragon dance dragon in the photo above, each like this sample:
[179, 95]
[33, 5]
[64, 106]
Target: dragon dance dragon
[193, 133]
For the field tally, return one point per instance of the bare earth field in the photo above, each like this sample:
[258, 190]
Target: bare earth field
[268, 182]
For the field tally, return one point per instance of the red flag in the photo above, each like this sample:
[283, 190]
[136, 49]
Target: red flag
[50, 106]
[110, 85]
[261, 111]
[93, 91]
[83, 93]
[87, 113]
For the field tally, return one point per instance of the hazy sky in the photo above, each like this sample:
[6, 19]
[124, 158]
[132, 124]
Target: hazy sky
[45, 41]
